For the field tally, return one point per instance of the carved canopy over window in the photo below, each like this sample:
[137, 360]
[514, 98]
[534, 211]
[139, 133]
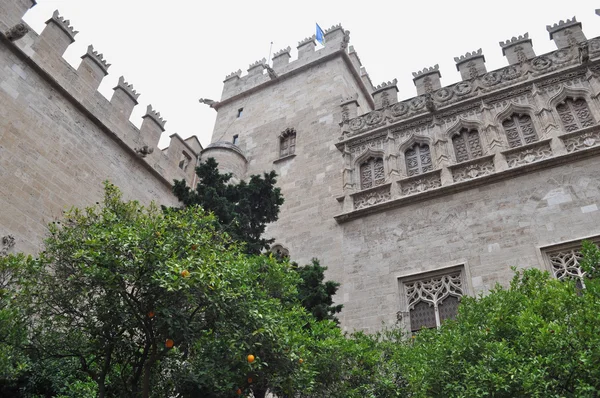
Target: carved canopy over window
[519, 130]
[575, 114]
[371, 173]
[467, 145]
[433, 300]
[418, 159]
[287, 142]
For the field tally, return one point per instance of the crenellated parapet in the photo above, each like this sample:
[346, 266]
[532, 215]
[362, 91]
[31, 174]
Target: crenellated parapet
[79, 86]
[336, 43]
[427, 80]
[566, 33]
[517, 49]
[471, 65]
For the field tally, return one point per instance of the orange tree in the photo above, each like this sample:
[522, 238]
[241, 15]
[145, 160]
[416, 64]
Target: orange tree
[131, 299]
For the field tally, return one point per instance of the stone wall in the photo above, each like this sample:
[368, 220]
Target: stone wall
[60, 138]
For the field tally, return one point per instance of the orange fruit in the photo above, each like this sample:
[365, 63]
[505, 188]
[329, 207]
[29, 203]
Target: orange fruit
[169, 343]
[301, 360]
[250, 358]
[194, 247]
[249, 379]
[151, 314]
[185, 273]
[239, 391]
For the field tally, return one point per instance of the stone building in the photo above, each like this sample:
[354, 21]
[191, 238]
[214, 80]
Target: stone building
[411, 204]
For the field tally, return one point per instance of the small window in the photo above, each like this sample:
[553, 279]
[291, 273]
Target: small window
[433, 299]
[519, 130]
[574, 114]
[240, 111]
[371, 173]
[184, 161]
[236, 139]
[418, 159]
[287, 142]
[467, 145]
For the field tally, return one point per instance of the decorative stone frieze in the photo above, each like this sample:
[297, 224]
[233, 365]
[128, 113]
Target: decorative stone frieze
[581, 139]
[473, 168]
[420, 183]
[528, 153]
[372, 196]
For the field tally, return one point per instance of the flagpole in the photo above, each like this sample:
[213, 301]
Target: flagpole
[269, 58]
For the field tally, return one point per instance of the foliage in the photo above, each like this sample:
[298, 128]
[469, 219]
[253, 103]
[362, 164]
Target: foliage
[243, 209]
[538, 338]
[116, 283]
[315, 294]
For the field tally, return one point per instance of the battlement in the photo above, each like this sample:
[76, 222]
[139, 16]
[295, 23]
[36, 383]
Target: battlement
[44, 53]
[562, 25]
[524, 66]
[336, 43]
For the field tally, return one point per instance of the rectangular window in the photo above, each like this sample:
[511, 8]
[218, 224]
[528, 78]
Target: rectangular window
[236, 139]
[429, 299]
[563, 260]
[240, 111]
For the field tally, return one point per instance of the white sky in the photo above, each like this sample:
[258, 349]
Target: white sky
[177, 51]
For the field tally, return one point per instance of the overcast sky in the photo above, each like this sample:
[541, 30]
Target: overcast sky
[177, 51]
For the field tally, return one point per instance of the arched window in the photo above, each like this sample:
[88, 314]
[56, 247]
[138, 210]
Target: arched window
[418, 159]
[287, 142]
[467, 145]
[574, 114]
[371, 173]
[519, 130]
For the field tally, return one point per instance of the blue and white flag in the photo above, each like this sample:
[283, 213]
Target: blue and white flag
[320, 35]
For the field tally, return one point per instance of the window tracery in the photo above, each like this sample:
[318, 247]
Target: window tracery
[574, 114]
[467, 145]
[418, 159]
[372, 173]
[433, 300]
[519, 130]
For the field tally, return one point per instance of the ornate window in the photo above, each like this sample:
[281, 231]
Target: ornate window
[467, 145]
[433, 299]
[564, 260]
[287, 142]
[574, 114]
[184, 161]
[519, 130]
[418, 159]
[371, 173]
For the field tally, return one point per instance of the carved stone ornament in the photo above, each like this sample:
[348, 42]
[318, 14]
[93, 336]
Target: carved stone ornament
[374, 117]
[399, 109]
[581, 141]
[479, 168]
[594, 45]
[541, 63]
[357, 123]
[565, 265]
[417, 103]
[144, 151]
[492, 78]
[563, 55]
[511, 72]
[434, 290]
[372, 197]
[415, 185]
[8, 241]
[529, 155]
[443, 94]
[16, 32]
[463, 88]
